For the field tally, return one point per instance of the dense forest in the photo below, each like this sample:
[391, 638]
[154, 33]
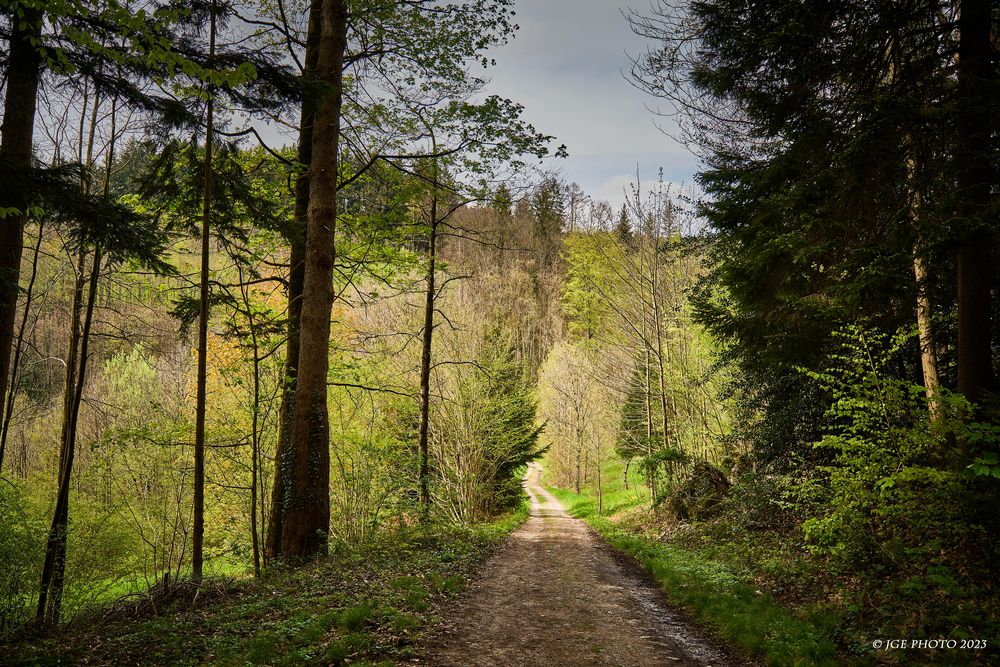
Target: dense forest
[288, 298]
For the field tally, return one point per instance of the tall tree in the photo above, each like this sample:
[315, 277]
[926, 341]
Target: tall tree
[198, 524]
[430, 293]
[103, 232]
[975, 172]
[19, 345]
[66, 39]
[473, 140]
[839, 189]
[296, 282]
[305, 465]
[548, 207]
[23, 73]
[426, 46]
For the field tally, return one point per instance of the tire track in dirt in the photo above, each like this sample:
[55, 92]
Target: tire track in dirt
[556, 594]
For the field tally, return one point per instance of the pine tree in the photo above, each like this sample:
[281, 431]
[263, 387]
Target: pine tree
[624, 228]
[548, 208]
[822, 126]
[510, 432]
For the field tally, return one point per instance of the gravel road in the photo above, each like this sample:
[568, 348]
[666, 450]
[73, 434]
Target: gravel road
[555, 595]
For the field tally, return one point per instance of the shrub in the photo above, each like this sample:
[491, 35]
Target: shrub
[22, 545]
[898, 505]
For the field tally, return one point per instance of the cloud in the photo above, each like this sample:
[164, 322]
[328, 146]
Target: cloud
[615, 190]
[565, 67]
[621, 188]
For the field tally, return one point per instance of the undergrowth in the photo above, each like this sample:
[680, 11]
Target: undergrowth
[748, 574]
[363, 605]
[717, 596]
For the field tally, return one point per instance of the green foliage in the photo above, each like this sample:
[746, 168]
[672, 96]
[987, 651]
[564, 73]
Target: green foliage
[363, 603]
[716, 595]
[640, 435]
[375, 228]
[625, 298]
[247, 188]
[22, 547]
[510, 433]
[548, 206]
[484, 433]
[890, 478]
[353, 618]
[132, 491]
[127, 235]
[136, 492]
[830, 167]
[584, 304]
[372, 475]
[899, 499]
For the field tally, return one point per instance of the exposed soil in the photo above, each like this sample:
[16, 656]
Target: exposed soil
[556, 594]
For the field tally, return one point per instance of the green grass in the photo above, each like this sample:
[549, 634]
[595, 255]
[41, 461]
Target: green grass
[365, 604]
[715, 594]
[100, 593]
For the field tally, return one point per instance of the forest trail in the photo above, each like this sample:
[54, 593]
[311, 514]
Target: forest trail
[556, 594]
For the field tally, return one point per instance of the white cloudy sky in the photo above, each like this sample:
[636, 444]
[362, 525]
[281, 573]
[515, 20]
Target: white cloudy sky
[565, 66]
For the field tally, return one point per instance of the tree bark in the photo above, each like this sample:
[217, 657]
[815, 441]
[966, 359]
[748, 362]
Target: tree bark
[16, 134]
[54, 567]
[648, 393]
[19, 347]
[296, 280]
[255, 445]
[661, 363]
[925, 330]
[306, 512]
[597, 479]
[52, 546]
[975, 79]
[201, 399]
[579, 462]
[425, 355]
[198, 524]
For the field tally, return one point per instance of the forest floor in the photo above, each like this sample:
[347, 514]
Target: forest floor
[363, 605]
[557, 594]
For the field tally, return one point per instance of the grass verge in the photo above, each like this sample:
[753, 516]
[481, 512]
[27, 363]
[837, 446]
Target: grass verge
[363, 605]
[713, 593]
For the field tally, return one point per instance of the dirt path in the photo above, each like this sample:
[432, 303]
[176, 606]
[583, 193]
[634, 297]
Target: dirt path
[558, 595]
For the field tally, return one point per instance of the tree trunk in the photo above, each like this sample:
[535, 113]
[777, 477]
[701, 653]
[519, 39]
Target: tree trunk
[23, 73]
[975, 79]
[425, 355]
[198, 524]
[658, 332]
[306, 520]
[296, 280]
[647, 394]
[650, 468]
[254, 444]
[925, 330]
[55, 536]
[19, 347]
[54, 567]
[597, 480]
[579, 457]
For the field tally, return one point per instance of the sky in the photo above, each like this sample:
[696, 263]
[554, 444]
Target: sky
[565, 67]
